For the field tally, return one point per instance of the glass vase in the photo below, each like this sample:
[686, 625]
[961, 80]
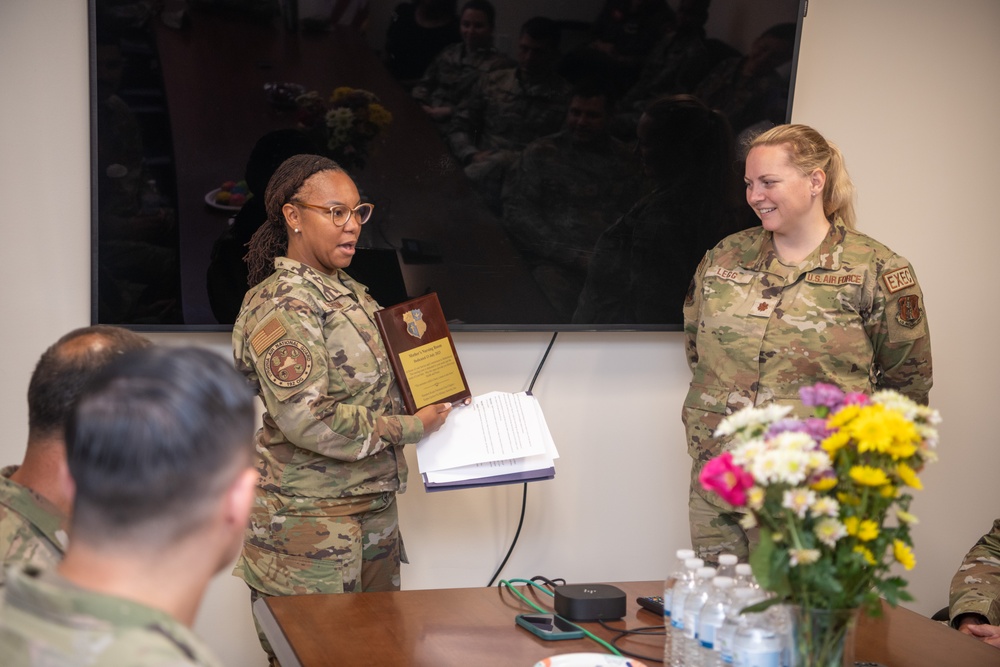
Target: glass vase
[823, 637]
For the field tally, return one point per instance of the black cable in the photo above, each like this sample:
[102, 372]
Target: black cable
[647, 630]
[524, 490]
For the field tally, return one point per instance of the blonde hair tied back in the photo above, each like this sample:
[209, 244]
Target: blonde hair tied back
[808, 151]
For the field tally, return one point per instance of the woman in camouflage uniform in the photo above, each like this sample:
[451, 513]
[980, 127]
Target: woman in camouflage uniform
[330, 451]
[801, 299]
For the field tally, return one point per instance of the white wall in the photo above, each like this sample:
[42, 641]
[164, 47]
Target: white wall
[907, 87]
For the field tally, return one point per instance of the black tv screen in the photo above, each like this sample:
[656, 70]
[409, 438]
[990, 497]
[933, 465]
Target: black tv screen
[187, 95]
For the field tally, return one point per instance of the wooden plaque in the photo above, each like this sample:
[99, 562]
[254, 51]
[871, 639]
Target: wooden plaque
[422, 353]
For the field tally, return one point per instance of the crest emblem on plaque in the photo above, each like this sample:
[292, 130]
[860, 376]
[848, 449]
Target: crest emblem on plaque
[415, 325]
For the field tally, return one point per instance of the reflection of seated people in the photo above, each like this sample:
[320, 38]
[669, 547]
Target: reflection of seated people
[510, 108]
[675, 64]
[643, 264]
[227, 272]
[974, 605]
[138, 265]
[417, 33]
[626, 31]
[160, 450]
[450, 78]
[564, 191]
[34, 503]
[753, 88]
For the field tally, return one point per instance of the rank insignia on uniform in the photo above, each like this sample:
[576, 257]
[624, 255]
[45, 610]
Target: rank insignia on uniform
[287, 363]
[415, 325]
[763, 307]
[909, 312]
[899, 279]
[267, 334]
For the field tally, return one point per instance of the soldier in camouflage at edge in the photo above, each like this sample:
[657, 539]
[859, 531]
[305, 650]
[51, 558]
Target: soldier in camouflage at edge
[801, 299]
[159, 451]
[974, 597]
[33, 504]
[453, 74]
[330, 451]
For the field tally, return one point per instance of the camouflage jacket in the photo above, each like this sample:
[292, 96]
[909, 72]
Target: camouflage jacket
[31, 528]
[507, 112]
[851, 314]
[561, 195]
[333, 413]
[45, 620]
[975, 588]
[451, 76]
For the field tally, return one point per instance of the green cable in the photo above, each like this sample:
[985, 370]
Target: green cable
[509, 583]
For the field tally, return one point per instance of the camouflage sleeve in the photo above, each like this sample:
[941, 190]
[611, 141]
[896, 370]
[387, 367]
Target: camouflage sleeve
[465, 125]
[898, 330]
[975, 588]
[324, 387]
[692, 313]
[423, 91]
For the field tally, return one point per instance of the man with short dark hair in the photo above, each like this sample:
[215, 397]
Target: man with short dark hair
[33, 504]
[159, 447]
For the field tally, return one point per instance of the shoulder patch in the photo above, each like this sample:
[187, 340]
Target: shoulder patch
[287, 363]
[909, 312]
[899, 279]
[270, 332]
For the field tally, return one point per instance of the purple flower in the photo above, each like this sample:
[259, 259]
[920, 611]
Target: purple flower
[822, 395]
[856, 398]
[786, 426]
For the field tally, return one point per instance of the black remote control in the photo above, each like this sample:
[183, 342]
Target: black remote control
[653, 603]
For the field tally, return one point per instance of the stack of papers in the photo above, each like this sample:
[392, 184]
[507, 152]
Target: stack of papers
[501, 438]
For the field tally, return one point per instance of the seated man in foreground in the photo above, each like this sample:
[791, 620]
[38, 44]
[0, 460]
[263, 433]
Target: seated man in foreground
[33, 506]
[159, 449]
[974, 603]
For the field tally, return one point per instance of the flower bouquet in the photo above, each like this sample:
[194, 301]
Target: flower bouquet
[345, 123]
[830, 495]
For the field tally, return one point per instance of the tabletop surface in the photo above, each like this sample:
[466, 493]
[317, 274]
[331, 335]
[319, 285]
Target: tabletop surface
[475, 626]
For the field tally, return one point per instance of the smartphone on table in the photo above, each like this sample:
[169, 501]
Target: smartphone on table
[548, 626]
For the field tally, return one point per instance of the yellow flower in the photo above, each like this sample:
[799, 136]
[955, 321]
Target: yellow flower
[908, 476]
[823, 484]
[844, 416]
[867, 530]
[868, 476]
[888, 491]
[906, 517]
[848, 499]
[340, 93]
[755, 498]
[866, 553]
[904, 554]
[835, 442]
[379, 116]
[851, 524]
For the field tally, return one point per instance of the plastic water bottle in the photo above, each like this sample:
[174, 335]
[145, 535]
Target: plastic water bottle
[758, 642]
[744, 576]
[682, 589]
[727, 565]
[725, 638]
[713, 613]
[668, 590]
[780, 618]
[692, 613]
[678, 572]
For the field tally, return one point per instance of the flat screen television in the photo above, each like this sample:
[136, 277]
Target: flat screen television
[182, 92]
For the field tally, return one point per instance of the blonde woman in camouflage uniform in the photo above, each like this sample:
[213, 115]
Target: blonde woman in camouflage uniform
[330, 451]
[801, 299]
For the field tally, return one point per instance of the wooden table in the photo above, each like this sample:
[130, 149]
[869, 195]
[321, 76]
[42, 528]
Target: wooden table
[475, 626]
[214, 71]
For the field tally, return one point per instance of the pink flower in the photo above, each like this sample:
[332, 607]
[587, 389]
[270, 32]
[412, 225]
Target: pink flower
[727, 479]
